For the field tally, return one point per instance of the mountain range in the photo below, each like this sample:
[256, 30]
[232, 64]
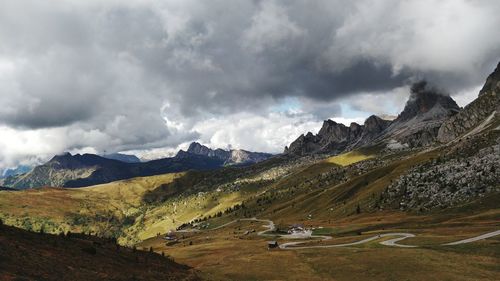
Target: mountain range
[425, 113]
[78, 170]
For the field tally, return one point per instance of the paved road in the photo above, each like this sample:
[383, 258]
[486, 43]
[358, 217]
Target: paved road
[391, 242]
[473, 239]
[270, 226]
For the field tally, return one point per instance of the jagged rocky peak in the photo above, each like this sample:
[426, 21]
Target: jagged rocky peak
[304, 144]
[333, 129]
[427, 100]
[197, 148]
[335, 137]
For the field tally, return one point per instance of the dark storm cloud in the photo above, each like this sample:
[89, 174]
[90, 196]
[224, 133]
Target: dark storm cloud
[139, 74]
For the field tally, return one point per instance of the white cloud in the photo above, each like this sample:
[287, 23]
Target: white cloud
[465, 96]
[268, 133]
[271, 28]
[379, 103]
[428, 35]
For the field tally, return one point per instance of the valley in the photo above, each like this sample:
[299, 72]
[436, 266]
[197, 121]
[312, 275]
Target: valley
[385, 201]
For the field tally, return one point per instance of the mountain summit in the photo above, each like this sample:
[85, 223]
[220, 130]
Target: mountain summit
[425, 111]
[427, 103]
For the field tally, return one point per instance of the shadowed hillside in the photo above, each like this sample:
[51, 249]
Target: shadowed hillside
[35, 256]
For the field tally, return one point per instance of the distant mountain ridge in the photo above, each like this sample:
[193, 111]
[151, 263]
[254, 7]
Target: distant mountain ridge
[229, 157]
[67, 170]
[21, 169]
[89, 169]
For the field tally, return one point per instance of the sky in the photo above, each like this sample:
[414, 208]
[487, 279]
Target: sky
[148, 77]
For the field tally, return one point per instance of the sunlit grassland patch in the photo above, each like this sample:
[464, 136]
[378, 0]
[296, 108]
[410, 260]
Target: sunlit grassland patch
[349, 158]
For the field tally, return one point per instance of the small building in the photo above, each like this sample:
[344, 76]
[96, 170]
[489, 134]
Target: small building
[296, 228]
[272, 244]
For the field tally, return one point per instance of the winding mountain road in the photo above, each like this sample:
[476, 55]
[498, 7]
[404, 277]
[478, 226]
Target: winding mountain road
[473, 239]
[270, 226]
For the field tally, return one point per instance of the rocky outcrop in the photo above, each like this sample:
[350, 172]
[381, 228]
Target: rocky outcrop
[487, 105]
[446, 181]
[228, 157]
[335, 137]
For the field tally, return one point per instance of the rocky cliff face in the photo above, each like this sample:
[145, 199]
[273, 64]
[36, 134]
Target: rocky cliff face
[229, 157]
[373, 128]
[334, 137]
[486, 106]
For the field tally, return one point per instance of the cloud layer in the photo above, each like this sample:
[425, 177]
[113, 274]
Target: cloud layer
[138, 75]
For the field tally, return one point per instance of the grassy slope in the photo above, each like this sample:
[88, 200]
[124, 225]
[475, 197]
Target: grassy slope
[118, 209]
[98, 209]
[229, 254]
